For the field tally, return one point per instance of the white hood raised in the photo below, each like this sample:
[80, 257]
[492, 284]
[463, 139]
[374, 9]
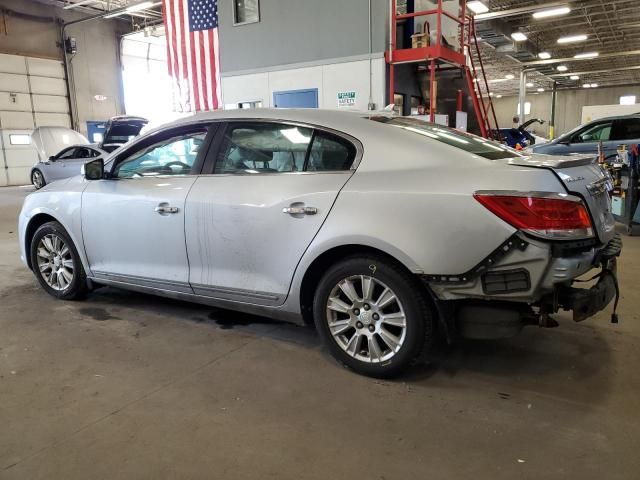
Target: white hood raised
[49, 141]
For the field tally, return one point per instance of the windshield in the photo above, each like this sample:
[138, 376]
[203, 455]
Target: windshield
[462, 140]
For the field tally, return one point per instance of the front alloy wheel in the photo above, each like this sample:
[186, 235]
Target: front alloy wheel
[37, 179]
[366, 319]
[373, 315]
[56, 263]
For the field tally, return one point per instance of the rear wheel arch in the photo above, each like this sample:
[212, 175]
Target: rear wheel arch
[322, 262]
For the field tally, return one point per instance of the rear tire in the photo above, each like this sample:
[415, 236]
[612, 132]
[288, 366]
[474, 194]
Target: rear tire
[373, 315]
[37, 179]
[56, 263]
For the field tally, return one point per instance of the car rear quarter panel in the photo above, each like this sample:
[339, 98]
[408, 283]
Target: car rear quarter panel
[414, 200]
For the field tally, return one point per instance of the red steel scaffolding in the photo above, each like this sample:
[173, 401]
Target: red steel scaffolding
[440, 56]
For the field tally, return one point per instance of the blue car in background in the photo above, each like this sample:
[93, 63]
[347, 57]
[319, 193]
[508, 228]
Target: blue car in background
[611, 131]
[518, 136]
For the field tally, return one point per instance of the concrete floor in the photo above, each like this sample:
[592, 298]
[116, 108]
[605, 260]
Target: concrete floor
[131, 386]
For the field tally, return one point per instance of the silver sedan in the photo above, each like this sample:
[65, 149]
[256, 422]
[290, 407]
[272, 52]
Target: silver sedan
[384, 232]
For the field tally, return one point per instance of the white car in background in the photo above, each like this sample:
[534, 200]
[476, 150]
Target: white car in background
[62, 151]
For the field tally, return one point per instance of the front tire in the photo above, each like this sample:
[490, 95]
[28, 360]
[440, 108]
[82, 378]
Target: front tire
[37, 179]
[373, 316]
[56, 263]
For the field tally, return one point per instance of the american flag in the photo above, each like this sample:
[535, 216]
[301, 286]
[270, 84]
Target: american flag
[193, 53]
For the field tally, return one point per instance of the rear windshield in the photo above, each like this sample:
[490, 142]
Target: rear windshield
[455, 138]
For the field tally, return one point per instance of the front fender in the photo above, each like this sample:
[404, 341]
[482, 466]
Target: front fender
[64, 207]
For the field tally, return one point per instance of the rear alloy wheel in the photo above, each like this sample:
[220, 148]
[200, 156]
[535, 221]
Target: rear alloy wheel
[373, 316]
[38, 179]
[56, 263]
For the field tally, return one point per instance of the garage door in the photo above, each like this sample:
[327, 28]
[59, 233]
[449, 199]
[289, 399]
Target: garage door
[33, 93]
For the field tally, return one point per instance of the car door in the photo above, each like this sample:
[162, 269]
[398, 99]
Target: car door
[586, 140]
[57, 167]
[73, 165]
[133, 221]
[626, 131]
[269, 189]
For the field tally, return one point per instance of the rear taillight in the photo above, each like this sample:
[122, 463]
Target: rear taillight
[547, 215]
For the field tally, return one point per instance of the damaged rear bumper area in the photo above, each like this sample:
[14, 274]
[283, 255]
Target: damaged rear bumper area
[501, 316]
[586, 302]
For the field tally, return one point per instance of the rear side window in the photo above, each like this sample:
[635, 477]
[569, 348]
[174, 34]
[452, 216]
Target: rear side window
[455, 138]
[627, 129]
[330, 153]
[280, 148]
[598, 132]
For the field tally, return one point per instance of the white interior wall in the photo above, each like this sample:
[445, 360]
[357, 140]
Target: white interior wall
[328, 79]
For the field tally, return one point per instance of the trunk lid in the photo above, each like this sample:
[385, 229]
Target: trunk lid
[584, 177]
[120, 130]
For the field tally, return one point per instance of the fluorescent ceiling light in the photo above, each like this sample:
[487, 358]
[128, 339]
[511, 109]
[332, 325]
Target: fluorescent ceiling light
[586, 85]
[133, 8]
[572, 39]
[491, 94]
[498, 80]
[574, 77]
[594, 85]
[541, 89]
[477, 7]
[586, 55]
[544, 55]
[552, 12]
[509, 76]
[518, 36]
[628, 100]
[562, 68]
[529, 85]
[634, 98]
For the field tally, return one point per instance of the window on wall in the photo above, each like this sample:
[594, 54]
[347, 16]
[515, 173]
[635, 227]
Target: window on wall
[246, 11]
[19, 139]
[527, 108]
[628, 100]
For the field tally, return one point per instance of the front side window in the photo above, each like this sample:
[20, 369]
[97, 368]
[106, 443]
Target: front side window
[263, 148]
[600, 132]
[246, 11]
[69, 153]
[173, 156]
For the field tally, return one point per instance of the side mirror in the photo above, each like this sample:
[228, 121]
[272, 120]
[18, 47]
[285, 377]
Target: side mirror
[93, 170]
[52, 158]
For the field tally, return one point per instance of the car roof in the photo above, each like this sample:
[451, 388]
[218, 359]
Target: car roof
[341, 120]
[617, 117]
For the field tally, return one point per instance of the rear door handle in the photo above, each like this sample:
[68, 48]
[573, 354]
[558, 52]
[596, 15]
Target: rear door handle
[165, 209]
[300, 210]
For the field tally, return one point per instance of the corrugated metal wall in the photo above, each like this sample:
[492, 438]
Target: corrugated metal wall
[33, 94]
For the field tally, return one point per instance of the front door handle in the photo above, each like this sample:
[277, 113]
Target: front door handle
[300, 210]
[165, 209]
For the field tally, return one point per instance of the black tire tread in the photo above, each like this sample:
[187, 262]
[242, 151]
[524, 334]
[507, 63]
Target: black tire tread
[415, 290]
[79, 288]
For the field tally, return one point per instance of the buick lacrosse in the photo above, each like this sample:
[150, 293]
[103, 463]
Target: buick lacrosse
[382, 231]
